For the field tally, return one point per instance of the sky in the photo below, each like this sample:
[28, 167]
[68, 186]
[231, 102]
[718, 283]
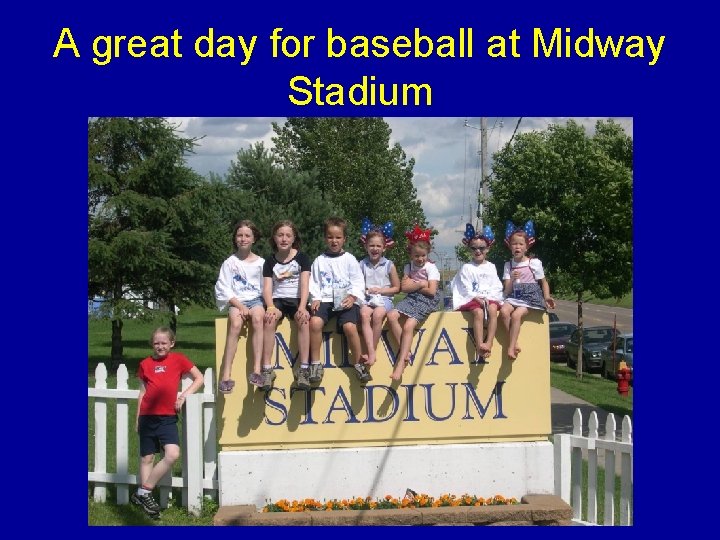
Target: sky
[446, 152]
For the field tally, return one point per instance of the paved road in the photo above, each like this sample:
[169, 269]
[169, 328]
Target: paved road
[595, 314]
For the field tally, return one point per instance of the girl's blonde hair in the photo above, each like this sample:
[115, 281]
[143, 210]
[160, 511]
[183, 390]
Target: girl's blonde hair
[162, 330]
[422, 244]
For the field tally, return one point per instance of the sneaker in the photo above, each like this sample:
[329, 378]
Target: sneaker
[268, 376]
[362, 373]
[147, 503]
[316, 373]
[257, 379]
[303, 378]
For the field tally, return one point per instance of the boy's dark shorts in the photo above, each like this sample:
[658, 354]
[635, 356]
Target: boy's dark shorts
[287, 306]
[326, 312]
[155, 431]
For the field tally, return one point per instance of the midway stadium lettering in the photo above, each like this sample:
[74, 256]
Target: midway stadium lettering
[412, 401]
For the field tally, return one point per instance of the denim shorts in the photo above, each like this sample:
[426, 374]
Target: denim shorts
[252, 303]
[375, 300]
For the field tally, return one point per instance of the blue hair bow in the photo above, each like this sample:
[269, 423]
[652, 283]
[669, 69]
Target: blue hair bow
[386, 230]
[486, 235]
[528, 229]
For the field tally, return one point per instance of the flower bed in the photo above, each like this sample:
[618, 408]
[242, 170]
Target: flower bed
[410, 500]
[532, 510]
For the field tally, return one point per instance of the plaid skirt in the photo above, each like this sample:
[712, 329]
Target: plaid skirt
[417, 305]
[527, 295]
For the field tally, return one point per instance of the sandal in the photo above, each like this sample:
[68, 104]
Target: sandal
[226, 387]
[257, 379]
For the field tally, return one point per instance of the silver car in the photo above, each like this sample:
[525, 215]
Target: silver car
[623, 352]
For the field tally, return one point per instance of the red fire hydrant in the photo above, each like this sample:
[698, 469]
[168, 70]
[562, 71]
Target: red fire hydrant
[623, 379]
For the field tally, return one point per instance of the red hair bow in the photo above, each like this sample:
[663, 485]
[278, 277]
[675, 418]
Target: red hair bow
[418, 234]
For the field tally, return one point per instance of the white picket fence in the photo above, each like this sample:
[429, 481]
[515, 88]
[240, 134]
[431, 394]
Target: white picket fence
[199, 446]
[569, 450]
[199, 453]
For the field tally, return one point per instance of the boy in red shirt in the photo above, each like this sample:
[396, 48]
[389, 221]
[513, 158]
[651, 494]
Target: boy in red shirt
[158, 405]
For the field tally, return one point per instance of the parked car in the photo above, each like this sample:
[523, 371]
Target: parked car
[595, 339]
[553, 317]
[559, 334]
[623, 352]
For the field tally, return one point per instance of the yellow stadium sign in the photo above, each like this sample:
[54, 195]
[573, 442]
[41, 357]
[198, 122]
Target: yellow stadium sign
[443, 397]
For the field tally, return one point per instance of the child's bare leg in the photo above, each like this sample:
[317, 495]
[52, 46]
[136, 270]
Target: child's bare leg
[367, 333]
[403, 356]
[234, 326]
[505, 313]
[172, 453]
[316, 328]
[491, 327]
[257, 315]
[146, 467]
[517, 315]
[378, 318]
[353, 337]
[393, 318]
[303, 342]
[268, 341]
[480, 348]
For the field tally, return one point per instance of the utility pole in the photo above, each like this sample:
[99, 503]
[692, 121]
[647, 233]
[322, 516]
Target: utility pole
[484, 188]
[484, 193]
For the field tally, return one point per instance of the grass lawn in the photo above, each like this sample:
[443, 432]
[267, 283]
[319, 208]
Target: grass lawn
[195, 337]
[593, 389]
[110, 513]
[600, 491]
[623, 302]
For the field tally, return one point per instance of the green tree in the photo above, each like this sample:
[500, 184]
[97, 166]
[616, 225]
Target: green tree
[578, 191]
[153, 224]
[280, 193]
[354, 166]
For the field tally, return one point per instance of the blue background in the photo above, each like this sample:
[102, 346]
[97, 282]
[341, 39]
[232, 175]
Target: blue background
[44, 214]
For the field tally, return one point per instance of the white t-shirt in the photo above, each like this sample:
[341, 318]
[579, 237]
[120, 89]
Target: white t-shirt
[238, 279]
[340, 272]
[286, 276]
[476, 280]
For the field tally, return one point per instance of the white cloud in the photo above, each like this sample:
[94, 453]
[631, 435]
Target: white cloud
[446, 172]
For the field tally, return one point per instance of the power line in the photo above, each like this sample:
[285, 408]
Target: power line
[516, 128]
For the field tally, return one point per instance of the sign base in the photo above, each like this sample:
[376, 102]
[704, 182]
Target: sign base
[512, 469]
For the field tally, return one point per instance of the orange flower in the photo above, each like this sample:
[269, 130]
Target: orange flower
[388, 501]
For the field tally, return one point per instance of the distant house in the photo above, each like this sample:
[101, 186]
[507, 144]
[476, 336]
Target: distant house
[95, 307]
[98, 309]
